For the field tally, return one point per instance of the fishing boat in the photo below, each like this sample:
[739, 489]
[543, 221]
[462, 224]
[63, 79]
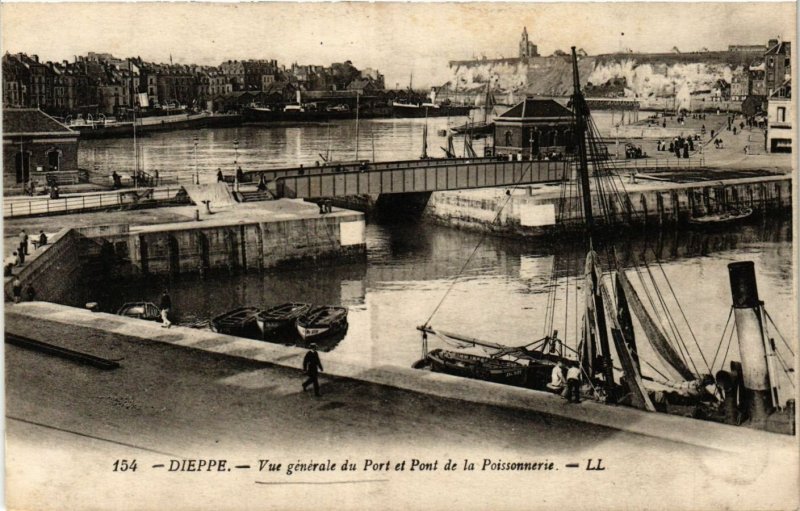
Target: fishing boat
[476, 366]
[722, 217]
[140, 310]
[279, 321]
[321, 322]
[240, 322]
[598, 301]
[479, 129]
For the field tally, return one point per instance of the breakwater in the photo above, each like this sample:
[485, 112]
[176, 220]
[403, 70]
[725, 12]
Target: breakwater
[534, 211]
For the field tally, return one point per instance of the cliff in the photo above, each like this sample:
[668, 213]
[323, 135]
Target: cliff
[632, 75]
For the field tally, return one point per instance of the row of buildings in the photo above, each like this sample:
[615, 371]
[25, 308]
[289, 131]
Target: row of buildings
[102, 83]
[766, 74]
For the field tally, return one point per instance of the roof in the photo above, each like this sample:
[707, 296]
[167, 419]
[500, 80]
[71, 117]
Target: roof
[31, 120]
[533, 108]
[781, 48]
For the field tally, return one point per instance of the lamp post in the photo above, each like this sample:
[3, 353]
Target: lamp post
[196, 174]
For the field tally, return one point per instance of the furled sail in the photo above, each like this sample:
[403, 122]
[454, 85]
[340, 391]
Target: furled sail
[633, 379]
[675, 366]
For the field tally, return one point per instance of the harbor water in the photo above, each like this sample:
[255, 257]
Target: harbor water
[260, 147]
[501, 296]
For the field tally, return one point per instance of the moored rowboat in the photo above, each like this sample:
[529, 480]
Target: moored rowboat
[321, 322]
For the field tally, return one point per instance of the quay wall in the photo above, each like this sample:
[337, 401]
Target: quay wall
[53, 268]
[529, 213]
[197, 248]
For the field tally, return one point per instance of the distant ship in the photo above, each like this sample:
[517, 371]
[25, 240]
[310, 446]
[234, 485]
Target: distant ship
[119, 129]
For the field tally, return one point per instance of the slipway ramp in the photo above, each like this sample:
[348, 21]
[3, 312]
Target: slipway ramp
[218, 194]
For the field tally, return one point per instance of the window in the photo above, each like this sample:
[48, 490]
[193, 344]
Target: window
[781, 114]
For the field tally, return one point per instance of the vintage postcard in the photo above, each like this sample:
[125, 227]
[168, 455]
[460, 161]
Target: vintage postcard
[351, 255]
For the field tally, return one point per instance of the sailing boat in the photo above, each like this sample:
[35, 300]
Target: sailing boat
[482, 128]
[605, 330]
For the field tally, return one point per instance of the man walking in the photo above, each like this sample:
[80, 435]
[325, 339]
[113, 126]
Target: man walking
[166, 305]
[312, 366]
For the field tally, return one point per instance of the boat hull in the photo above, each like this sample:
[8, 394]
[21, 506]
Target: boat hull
[477, 367]
[322, 322]
[140, 310]
[279, 322]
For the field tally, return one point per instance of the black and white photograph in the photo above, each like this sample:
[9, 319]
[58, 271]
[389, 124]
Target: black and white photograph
[399, 255]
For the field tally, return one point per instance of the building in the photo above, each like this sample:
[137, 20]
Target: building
[778, 61]
[747, 48]
[527, 48]
[740, 85]
[758, 83]
[534, 127]
[35, 145]
[779, 119]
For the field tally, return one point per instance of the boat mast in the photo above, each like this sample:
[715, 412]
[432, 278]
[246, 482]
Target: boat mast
[358, 97]
[592, 270]
[580, 130]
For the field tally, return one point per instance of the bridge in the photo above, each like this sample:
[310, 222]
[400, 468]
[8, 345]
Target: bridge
[411, 177]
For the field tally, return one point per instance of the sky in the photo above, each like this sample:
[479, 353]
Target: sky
[397, 38]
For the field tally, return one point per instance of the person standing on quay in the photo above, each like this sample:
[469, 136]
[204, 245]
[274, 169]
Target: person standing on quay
[312, 366]
[166, 305]
[16, 290]
[23, 242]
[574, 383]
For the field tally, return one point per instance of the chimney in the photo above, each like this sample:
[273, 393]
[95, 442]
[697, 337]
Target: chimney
[772, 42]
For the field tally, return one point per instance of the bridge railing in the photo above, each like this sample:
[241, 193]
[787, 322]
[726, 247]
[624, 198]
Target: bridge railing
[481, 174]
[84, 202]
[333, 168]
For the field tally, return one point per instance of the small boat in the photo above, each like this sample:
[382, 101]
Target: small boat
[240, 322]
[723, 217]
[140, 310]
[279, 321]
[476, 366]
[321, 322]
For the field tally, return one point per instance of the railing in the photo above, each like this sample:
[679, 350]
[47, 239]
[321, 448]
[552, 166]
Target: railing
[480, 174]
[69, 204]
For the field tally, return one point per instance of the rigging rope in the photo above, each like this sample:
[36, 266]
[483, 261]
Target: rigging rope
[722, 338]
[680, 308]
[480, 242]
[779, 332]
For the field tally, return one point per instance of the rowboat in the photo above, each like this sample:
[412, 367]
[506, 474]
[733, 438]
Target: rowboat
[140, 310]
[321, 322]
[476, 366]
[240, 322]
[723, 217]
[279, 321]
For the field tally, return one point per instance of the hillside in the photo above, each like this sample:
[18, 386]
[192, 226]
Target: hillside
[633, 75]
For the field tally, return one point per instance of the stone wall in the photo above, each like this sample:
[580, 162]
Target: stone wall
[52, 269]
[253, 246]
[537, 214]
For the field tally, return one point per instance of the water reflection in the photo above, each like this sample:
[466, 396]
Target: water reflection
[502, 294]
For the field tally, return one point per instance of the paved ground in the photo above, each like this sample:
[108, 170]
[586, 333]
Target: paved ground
[68, 423]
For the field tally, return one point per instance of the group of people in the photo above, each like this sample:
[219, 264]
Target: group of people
[566, 381]
[632, 151]
[680, 145]
[17, 258]
[16, 291]
[325, 206]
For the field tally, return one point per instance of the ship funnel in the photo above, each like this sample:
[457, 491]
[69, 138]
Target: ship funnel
[760, 397]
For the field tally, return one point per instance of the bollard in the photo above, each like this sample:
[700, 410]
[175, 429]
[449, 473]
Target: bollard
[197, 215]
[757, 402]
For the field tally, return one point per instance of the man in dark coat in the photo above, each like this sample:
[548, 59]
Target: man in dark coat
[312, 366]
